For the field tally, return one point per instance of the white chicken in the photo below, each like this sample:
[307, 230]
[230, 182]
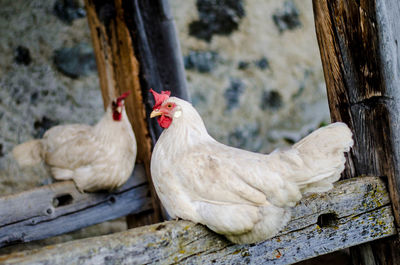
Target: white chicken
[99, 157]
[243, 195]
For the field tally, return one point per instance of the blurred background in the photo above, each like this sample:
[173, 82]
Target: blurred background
[253, 70]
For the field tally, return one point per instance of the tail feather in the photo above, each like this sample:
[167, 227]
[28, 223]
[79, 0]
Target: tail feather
[323, 153]
[28, 153]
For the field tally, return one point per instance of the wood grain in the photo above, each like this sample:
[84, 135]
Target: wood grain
[354, 212]
[118, 70]
[357, 41]
[349, 44]
[137, 48]
[60, 208]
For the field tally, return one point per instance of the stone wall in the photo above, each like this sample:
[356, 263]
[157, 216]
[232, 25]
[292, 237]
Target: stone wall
[47, 77]
[253, 71]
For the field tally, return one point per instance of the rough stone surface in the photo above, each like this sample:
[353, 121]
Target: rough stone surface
[69, 10]
[284, 97]
[219, 17]
[22, 55]
[233, 93]
[75, 61]
[287, 18]
[202, 61]
[271, 100]
[262, 63]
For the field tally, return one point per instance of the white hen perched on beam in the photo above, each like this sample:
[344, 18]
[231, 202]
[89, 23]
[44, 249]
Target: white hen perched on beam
[99, 157]
[243, 195]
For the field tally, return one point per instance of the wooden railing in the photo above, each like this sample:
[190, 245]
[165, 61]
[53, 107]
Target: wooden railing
[356, 211]
[60, 208]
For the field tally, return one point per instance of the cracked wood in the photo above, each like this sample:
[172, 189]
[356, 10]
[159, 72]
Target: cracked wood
[358, 43]
[349, 41]
[355, 211]
[119, 71]
[134, 41]
[60, 208]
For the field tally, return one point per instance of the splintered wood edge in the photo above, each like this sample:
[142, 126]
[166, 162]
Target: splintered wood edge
[188, 243]
[119, 71]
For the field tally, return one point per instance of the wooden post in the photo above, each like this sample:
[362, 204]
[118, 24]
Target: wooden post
[137, 49]
[358, 42]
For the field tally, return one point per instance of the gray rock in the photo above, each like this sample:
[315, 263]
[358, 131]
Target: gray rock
[22, 55]
[263, 63]
[202, 61]
[271, 100]
[220, 17]
[233, 93]
[69, 10]
[287, 18]
[75, 61]
[243, 65]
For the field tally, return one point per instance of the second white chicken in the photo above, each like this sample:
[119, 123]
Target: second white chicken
[99, 157]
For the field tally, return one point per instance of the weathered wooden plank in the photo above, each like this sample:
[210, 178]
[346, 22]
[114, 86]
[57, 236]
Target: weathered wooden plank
[60, 208]
[356, 211]
[119, 71]
[137, 48]
[387, 15]
[360, 56]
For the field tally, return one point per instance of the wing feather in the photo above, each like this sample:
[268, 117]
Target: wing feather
[77, 152]
[61, 134]
[225, 175]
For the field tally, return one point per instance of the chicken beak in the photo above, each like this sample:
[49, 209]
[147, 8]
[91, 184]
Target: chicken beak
[155, 113]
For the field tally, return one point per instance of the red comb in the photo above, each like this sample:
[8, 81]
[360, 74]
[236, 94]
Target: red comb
[123, 96]
[160, 98]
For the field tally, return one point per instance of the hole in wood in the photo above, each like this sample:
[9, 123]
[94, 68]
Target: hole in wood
[112, 199]
[327, 219]
[62, 200]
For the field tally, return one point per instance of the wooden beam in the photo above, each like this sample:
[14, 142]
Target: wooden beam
[137, 48]
[157, 47]
[353, 38]
[388, 14]
[118, 70]
[354, 212]
[60, 208]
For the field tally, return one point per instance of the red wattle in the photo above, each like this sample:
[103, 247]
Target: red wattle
[117, 116]
[164, 121]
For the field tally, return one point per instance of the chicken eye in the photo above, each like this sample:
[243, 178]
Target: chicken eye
[169, 106]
